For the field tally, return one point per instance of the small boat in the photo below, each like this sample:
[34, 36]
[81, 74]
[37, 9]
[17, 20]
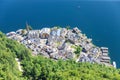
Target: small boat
[78, 6]
[114, 64]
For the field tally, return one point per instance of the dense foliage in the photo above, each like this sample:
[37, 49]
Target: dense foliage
[40, 68]
[77, 50]
[9, 50]
[47, 69]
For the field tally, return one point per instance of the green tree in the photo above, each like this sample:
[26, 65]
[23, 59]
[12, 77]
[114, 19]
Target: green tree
[77, 50]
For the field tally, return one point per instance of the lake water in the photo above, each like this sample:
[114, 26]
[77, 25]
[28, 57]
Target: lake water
[99, 20]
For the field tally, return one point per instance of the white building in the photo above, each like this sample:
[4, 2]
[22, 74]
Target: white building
[34, 34]
[45, 32]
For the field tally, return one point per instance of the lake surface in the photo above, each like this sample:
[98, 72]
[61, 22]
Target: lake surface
[99, 20]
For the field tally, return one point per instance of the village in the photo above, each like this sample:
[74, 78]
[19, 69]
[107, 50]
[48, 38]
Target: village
[60, 43]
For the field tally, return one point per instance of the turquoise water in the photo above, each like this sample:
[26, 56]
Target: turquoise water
[99, 20]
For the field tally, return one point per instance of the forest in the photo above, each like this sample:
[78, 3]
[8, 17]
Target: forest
[41, 68]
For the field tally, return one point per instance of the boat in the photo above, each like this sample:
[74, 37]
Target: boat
[114, 64]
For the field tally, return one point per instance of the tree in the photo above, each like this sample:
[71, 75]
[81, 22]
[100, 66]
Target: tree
[77, 50]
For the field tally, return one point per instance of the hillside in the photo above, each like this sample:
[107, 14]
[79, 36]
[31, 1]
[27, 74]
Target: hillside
[41, 68]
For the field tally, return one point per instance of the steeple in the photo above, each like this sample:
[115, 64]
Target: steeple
[28, 27]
